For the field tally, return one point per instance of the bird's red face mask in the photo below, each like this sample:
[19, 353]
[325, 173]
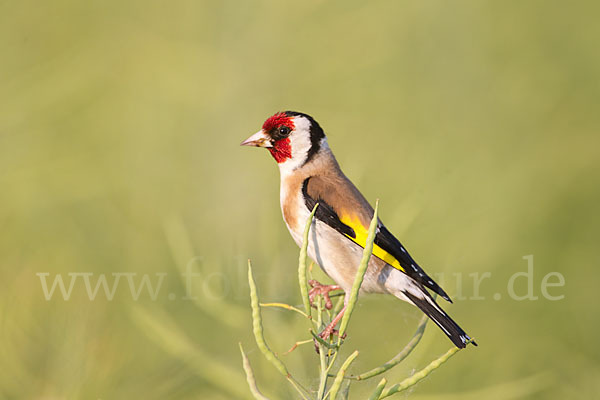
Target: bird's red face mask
[274, 136]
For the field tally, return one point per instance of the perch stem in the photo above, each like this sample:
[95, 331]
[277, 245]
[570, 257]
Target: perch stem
[360, 274]
[260, 339]
[302, 264]
[322, 356]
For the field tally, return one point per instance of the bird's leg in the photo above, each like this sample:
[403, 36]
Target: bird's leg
[323, 290]
[330, 329]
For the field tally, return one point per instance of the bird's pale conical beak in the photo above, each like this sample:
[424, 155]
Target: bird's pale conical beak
[259, 139]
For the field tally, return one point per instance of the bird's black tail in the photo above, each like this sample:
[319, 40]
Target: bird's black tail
[441, 319]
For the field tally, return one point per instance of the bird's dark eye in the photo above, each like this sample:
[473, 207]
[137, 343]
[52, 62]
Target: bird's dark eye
[284, 131]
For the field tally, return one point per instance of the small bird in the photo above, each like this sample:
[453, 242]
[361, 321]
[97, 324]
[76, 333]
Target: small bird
[310, 174]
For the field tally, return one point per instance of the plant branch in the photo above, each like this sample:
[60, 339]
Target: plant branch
[380, 386]
[250, 376]
[337, 382]
[422, 374]
[302, 264]
[360, 274]
[284, 306]
[398, 358]
[322, 345]
[260, 339]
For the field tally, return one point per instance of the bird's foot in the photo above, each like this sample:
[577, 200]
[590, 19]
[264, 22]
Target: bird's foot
[324, 337]
[326, 334]
[323, 290]
[330, 331]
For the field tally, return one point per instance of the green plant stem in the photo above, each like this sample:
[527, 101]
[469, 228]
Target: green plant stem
[322, 357]
[298, 343]
[378, 389]
[337, 382]
[332, 361]
[398, 358]
[422, 374]
[250, 377]
[285, 307]
[302, 264]
[301, 390]
[260, 339]
[338, 304]
[360, 274]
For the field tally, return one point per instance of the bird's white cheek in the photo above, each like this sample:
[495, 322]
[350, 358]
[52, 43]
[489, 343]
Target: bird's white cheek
[300, 147]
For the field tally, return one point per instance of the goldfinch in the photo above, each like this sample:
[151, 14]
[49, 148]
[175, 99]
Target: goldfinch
[310, 174]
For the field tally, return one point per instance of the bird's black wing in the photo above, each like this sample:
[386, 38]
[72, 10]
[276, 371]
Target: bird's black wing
[325, 212]
[387, 247]
[390, 244]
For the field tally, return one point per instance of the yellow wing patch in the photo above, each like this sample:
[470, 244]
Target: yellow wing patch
[361, 239]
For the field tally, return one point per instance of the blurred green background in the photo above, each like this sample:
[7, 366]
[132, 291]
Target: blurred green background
[476, 123]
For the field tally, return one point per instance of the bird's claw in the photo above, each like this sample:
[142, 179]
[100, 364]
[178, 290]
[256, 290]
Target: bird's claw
[323, 290]
[327, 333]
[324, 337]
